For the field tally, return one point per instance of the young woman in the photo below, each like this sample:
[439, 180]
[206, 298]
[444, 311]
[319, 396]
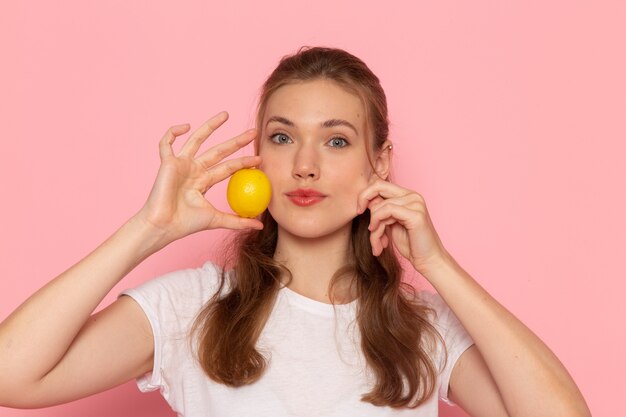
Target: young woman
[309, 316]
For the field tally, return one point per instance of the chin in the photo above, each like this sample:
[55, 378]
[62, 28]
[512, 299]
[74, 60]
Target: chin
[313, 227]
[314, 232]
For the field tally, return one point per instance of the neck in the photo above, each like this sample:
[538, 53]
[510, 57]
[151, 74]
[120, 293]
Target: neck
[313, 262]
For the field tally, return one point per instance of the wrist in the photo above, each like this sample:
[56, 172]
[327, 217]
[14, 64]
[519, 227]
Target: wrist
[435, 265]
[150, 238]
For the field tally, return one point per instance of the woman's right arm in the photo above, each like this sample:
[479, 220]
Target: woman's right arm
[52, 349]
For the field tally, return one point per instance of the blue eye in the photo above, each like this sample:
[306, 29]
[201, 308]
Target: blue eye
[280, 138]
[338, 142]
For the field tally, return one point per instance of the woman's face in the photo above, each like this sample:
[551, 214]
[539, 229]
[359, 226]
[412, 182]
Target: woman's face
[314, 154]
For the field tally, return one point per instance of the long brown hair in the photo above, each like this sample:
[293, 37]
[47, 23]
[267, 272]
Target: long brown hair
[397, 338]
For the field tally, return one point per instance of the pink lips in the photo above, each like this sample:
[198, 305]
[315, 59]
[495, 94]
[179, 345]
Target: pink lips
[305, 197]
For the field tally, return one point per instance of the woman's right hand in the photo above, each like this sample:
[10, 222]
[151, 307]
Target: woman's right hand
[176, 206]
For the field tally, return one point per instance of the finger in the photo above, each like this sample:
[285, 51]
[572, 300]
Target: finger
[400, 214]
[165, 144]
[376, 239]
[378, 235]
[231, 221]
[409, 202]
[199, 136]
[384, 239]
[364, 202]
[373, 203]
[381, 222]
[227, 168]
[215, 154]
[380, 188]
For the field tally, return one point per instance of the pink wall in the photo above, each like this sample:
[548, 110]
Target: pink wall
[508, 117]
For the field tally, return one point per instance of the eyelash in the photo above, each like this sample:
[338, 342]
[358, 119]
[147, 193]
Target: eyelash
[274, 140]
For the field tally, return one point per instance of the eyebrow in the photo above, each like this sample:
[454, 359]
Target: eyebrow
[326, 124]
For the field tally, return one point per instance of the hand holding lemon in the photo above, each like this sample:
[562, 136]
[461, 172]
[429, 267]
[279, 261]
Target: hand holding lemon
[249, 192]
[177, 207]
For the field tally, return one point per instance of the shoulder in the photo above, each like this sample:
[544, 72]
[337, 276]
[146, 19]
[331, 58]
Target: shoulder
[445, 321]
[182, 291]
[455, 338]
[439, 310]
[200, 279]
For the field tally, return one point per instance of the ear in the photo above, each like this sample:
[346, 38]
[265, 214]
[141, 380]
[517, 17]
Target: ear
[383, 160]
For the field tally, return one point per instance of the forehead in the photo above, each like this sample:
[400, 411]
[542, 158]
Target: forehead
[312, 102]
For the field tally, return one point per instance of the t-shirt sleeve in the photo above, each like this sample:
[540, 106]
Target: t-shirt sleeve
[171, 303]
[456, 340]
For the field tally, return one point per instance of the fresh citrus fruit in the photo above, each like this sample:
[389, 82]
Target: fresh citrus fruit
[249, 192]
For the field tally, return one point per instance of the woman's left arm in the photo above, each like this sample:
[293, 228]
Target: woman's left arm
[530, 379]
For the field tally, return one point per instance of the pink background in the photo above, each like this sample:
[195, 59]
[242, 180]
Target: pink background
[508, 117]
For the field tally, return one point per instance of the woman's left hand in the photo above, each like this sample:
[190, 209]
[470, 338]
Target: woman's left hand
[399, 215]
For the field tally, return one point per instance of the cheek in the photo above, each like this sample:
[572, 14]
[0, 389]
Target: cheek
[353, 185]
[275, 174]
[269, 165]
[272, 176]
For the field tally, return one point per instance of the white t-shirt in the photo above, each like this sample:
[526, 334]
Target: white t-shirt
[316, 367]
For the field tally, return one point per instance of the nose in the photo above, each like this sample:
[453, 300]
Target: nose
[306, 163]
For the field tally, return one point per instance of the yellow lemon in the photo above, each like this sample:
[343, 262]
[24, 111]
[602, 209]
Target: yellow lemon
[249, 192]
